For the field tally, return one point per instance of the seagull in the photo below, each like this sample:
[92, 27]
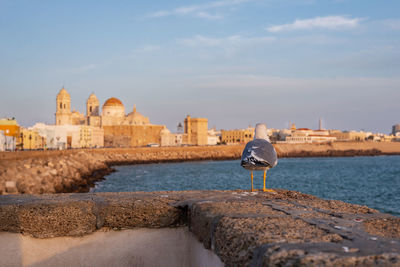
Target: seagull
[259, 154]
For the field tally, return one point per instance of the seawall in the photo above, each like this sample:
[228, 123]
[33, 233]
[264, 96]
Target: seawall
[284, 228]
[38, 172]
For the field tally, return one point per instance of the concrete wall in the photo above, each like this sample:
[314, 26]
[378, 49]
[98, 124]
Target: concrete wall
[173, 247]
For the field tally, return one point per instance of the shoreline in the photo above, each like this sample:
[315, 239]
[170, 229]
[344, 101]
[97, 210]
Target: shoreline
[69, 171]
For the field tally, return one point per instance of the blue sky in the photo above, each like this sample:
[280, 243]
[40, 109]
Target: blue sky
[235, 62]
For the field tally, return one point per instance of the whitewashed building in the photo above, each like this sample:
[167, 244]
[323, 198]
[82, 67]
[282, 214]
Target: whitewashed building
[213, 137]
[70, 136]
[305, 135]
[170, 139]
[2, 141]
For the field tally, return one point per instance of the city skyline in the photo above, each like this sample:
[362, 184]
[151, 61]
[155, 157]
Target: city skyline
[235, 62]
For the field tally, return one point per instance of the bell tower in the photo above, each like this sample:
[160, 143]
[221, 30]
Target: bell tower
[63, 109]
[92, 106]
[92, 111]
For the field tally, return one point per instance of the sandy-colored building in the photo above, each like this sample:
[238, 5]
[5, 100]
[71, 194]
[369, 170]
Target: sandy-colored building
[195, 131]
[119, 129]
[132, 135]
[349, 135]
[170, 139]
[129, 130]
[87, 137]
[237, 136]
[112, 114]
[31, 139]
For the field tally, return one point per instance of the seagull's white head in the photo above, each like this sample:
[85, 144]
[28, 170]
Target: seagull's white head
[261, 132]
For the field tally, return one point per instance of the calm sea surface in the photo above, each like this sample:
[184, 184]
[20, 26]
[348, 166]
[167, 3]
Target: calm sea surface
[371, 181]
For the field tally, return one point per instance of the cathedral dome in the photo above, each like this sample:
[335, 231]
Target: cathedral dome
[135, 118]
[113, 107]
[113, 102]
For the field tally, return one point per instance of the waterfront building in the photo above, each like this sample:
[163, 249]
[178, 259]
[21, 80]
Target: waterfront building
[170, 139]
[387, 138]
[349, 135]
[195, 131]
[213, 137]
[119, 129]
[31, 139]
[305, 135]
[2, 141]
[395, 129]
[93, 111]
[167, 138]
[87, 137]
[113, 112]
[11, 131]
[70, 136]
[237, 136]
[10, 127]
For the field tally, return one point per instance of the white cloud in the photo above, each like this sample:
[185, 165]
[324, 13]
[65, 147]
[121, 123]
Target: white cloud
[205, 15]
[198, 10]
[329, 22]
[204, 41]
[393, 24]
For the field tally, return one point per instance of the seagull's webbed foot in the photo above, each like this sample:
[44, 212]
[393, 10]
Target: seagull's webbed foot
[269, 190]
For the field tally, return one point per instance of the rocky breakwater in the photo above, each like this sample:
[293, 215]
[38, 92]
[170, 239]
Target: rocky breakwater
[74, 172]
[38, 172]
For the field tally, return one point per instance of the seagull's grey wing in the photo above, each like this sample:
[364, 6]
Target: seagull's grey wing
[259, 153]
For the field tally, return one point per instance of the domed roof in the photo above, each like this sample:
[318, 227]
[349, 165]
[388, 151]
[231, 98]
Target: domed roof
[136, 118]
[63, 92]
[92, 96]
[136, 115]
[113, 102]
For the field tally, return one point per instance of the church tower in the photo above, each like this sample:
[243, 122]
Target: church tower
[92, 106]
[63, 110]
[92, 111]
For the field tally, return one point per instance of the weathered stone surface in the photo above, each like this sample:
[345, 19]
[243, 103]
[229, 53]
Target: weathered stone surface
[11, 187]
[286, 228]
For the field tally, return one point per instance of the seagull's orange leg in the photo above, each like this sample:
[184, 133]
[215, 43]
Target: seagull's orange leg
[252, 181]
[264, 189]
[265, 176]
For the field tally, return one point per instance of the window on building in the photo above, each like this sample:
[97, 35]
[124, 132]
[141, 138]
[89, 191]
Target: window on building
[60, 105]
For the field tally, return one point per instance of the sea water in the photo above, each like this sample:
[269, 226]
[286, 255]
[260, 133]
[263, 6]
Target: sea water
[370, 181]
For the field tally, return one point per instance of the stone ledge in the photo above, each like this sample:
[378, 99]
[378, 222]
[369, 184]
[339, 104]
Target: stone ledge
[242, 228]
